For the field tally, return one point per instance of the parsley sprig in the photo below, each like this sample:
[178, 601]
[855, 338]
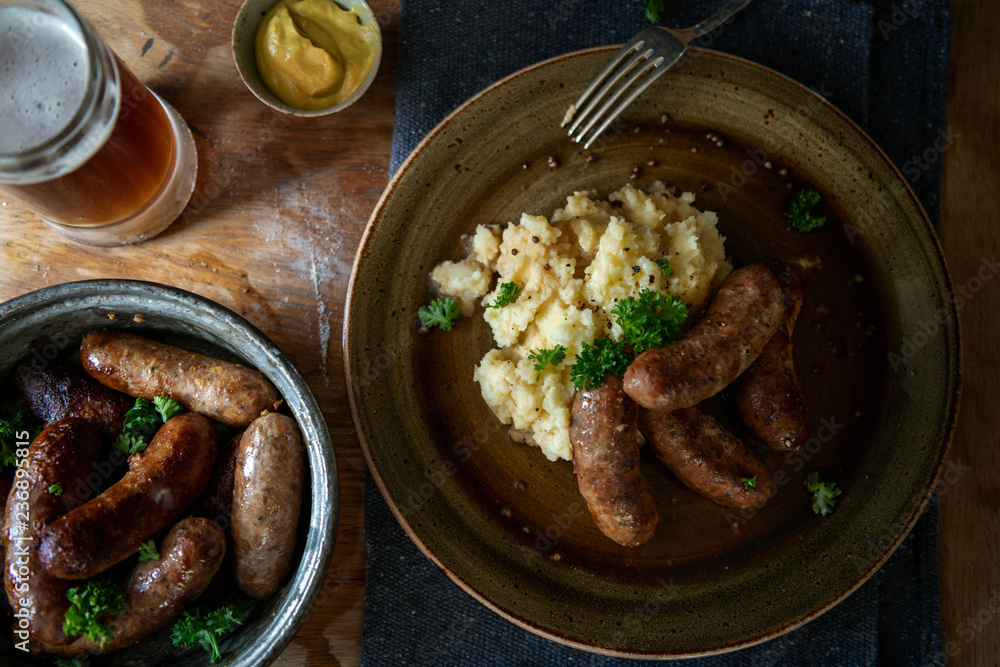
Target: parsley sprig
[141, 422]
[800, 211]
[205, 630]
[654, 9]
[129, 444]
[665, 267]
[593, 361]
[544, 358]
[440, 313]
[650, 320]
[167, 407]
[16, 420]
[141, 417]
[87, 605]
[647, 320]
[147, 551]
[749, 483]
[508, 294]
[824, 494]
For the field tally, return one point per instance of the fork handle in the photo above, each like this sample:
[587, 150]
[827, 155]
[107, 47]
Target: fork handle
[724, 13]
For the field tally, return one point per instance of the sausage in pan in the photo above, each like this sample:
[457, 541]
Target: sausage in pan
[267, 496]
[61, 455]
[217, 501]
[57, 391]
[157, 591]
[161, 485]
[229, 393]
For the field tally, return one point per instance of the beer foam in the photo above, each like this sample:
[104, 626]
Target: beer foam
[44, 67]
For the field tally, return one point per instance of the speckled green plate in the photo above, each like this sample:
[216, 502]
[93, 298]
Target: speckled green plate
[877, 350]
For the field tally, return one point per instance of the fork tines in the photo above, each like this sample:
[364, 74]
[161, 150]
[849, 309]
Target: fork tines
[642, 68]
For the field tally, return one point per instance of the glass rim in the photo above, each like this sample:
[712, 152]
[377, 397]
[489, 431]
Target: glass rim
[36, 158]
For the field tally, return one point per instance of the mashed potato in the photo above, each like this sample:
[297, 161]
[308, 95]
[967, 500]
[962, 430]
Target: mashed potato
[574, 268]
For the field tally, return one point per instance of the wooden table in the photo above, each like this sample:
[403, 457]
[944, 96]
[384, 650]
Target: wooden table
[281, 204]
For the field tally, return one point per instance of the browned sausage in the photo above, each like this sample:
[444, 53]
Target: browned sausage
[267, 495]
[767, 396]
[217, 501]
[706, 457]
[216, 504]
[57, 391]
[606, 463]
[229, 393]
[61, 454]
[157, 591]
[161, 485]
[740, 319]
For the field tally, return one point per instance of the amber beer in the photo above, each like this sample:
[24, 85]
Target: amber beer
[136, 158]
[85, 144]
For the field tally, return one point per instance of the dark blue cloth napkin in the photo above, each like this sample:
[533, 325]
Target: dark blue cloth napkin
[884, 63]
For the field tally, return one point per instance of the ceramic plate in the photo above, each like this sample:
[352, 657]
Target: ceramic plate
[877, 353]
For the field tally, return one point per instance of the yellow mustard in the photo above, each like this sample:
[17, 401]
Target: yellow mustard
[312, 54]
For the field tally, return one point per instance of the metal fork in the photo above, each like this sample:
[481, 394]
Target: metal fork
[648, 55]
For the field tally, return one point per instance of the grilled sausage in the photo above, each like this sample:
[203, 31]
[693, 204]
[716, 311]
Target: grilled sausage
[706, 457]
[738, 323]
[767, 396]
[267, 495]
[61, 454]
[217, 501]
[606, 463]
[157, 591]
[229, 393]
[57, 391]
[161, 485]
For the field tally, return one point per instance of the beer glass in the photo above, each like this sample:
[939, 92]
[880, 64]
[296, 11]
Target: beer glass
[83, 143]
